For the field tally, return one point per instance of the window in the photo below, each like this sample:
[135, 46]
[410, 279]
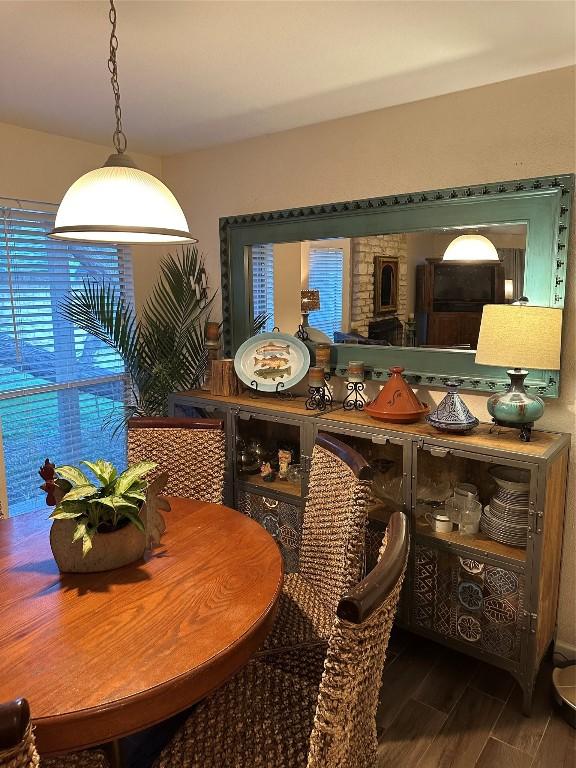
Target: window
[325, 275]
[61, 390]
[263, 282]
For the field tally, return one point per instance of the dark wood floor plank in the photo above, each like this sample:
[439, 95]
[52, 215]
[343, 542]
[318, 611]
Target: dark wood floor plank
[447, 680]
[400, 639]
[493, 681]
[558, 746]
[401, 679]
[465, 733]
[522, 732]
[409, 736]
[496, 754]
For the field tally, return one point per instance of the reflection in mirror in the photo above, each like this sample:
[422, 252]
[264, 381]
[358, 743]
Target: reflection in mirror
[392, 289]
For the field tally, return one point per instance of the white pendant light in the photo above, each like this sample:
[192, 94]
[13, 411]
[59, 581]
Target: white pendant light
[119, 203]
[470, 248]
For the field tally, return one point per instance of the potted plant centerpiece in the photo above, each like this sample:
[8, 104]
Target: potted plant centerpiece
[103, 520]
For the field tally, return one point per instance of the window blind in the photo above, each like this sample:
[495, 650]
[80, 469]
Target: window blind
[325, 267]
[61, 390]
[263, 282]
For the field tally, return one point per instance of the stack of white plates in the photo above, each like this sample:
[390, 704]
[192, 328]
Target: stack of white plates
[505, 519]
[508, 532]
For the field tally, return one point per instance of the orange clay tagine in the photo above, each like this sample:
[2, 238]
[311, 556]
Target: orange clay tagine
[396, 402]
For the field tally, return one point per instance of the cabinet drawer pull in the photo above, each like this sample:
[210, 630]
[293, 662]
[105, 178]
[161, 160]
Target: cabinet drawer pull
[270, 503]
[381, 439]
[439, 452]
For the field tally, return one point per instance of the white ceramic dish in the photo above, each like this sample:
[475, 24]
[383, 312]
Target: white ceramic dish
[271, 361]
[511, 478]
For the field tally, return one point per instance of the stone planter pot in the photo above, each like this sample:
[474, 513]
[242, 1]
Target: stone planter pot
[109, 550]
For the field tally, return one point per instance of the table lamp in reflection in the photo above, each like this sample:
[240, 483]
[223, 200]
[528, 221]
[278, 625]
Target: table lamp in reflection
[520, 336]
[309, 302]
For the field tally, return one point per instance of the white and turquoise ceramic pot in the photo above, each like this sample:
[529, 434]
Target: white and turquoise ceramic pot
[515, 407]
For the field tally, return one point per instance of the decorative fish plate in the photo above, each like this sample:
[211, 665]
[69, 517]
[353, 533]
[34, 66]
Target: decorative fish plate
[269, 361]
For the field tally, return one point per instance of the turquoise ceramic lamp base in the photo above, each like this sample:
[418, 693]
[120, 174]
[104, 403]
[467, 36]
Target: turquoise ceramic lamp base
[516, 408]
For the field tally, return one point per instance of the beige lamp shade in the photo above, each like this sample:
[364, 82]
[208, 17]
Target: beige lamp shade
[470, 248]
[310, 301]
[119, 203]
[520, 336]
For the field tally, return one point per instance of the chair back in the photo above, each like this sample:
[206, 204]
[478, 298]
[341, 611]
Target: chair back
[191, 451]
[17, 747]
[344, 732]
[333, 530]
[3, 485]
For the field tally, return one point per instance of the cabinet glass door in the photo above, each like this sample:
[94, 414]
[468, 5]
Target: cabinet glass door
[475, 501]
[269, 455]
[473, 528]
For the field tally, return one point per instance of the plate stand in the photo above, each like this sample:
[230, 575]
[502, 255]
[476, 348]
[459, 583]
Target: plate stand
[255, 392]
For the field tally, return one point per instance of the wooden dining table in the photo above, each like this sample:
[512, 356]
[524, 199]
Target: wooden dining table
[103, 655]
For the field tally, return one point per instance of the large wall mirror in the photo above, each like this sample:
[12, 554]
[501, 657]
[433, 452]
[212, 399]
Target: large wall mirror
[402, 280]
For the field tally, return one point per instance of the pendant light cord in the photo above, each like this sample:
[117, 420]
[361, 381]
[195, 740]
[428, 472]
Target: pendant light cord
[119, 137]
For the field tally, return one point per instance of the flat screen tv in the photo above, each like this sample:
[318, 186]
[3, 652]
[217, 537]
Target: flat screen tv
[464, 284]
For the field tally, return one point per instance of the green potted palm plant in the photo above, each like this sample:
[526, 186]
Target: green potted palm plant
[163, 349]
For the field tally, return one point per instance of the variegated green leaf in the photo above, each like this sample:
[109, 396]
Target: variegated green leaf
[86, 542]
[104, 470]
[105, 500]
[62, 514]
[80, 492]
[73, 475]
[138, 485]
[116, 502]
[64, 485]
[135, 495]
[80, 532]
[134, 519]
[70, 506]
[127, 478]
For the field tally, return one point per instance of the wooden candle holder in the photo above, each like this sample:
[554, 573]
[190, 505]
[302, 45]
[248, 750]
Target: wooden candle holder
[224, 380]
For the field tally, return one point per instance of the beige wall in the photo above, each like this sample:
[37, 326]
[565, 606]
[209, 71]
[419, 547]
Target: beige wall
[287, 286]
[41, 166]
[510, 130]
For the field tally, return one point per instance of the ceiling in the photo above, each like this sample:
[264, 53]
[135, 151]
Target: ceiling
[194, 74]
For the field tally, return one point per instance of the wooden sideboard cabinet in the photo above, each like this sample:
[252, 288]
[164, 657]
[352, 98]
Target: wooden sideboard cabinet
[489, 600]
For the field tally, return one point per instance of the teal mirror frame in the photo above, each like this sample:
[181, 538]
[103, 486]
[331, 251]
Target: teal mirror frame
[543, 204]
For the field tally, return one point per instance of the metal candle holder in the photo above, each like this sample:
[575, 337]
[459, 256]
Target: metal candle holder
[319, 398]
[354, 401]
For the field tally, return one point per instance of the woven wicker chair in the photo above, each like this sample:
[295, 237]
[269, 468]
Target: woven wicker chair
[305, 708]
[18, 748]
[332, 548]
[192, 451]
